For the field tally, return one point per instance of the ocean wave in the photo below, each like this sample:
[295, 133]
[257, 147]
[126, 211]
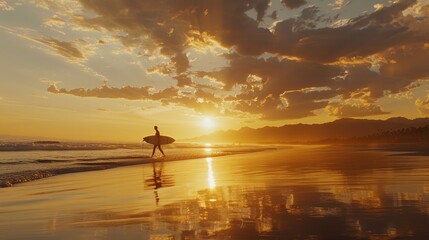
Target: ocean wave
[72, 146]
[46, 161]
[13, 162]
[62, 146]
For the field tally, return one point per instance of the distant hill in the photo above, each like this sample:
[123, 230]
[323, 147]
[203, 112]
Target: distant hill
[403, 135]
[304, 133]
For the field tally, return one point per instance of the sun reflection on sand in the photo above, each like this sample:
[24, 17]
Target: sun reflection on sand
[211, 178]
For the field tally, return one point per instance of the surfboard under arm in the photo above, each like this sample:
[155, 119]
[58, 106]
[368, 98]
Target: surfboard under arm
[163, 140]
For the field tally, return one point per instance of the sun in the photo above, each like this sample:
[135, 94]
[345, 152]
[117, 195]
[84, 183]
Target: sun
[207, 122]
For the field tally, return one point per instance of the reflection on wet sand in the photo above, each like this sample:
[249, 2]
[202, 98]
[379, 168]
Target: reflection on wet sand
[339, 211]
[295, 193]
[158, 179]
[296, 213]
[346, 211]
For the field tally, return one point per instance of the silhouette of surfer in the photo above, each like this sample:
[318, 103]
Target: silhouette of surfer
[158, 142]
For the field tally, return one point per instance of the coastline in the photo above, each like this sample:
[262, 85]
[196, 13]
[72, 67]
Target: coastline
[282, 192]
[10, 179]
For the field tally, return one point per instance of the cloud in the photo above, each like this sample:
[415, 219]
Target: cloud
[293, 3]
[172, 25]
[423, 105]
[5, 6]
[363, 36]
[66, 49]
[297, 66]
[378, 6]
[278, 88]
[408, 62]
[130, 93]
[55, 21]
[289, 105]
[75, 51]
[198, 100]
[346, 110]
[338, 4]
[306, 86]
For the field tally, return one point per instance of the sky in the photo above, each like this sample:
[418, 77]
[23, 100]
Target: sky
[109, 70]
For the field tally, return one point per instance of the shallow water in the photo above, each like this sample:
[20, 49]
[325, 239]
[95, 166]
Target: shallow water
[31, 162]
[304, 192]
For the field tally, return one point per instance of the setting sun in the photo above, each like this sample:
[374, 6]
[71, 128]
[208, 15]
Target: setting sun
[221, 119]
[208, 123]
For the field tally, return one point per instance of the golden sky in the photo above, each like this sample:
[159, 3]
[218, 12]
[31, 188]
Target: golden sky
[108, 70]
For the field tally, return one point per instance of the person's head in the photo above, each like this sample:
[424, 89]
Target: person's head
[155, 127]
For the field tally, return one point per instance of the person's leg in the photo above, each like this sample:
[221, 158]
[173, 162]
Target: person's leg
[160, 149]
[153, 151]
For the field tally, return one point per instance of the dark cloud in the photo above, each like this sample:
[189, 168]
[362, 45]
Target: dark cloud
[272, 87]
[183, 80]
[278, 75]
[293, 3]
[363, 36]
[306, 86]
[170, 25]
[181, 62]
[409, 62]
[279, 88]
[289, 105]
[261, 7]
[359, 81]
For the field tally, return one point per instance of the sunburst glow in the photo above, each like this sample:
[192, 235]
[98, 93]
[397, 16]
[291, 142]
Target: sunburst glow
[208, 123]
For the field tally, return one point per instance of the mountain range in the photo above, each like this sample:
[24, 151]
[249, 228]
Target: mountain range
[306, 133]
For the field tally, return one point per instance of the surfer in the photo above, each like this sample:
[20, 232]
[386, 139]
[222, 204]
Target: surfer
[158, 142]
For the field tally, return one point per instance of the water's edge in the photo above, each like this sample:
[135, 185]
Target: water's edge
[10, 179]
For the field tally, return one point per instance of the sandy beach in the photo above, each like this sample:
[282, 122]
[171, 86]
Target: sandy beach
[21, 166]
[297, 192]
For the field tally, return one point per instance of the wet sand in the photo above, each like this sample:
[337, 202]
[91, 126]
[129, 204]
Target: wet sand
[25, 171]
[303, 192]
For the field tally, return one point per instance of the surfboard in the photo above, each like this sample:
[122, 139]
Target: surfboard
[164, 140]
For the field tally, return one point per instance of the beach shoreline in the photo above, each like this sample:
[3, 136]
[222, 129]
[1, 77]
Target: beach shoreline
[11, 179]
[264, 192]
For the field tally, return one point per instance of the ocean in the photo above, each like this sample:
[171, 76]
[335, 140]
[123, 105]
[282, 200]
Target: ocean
[25, 161]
